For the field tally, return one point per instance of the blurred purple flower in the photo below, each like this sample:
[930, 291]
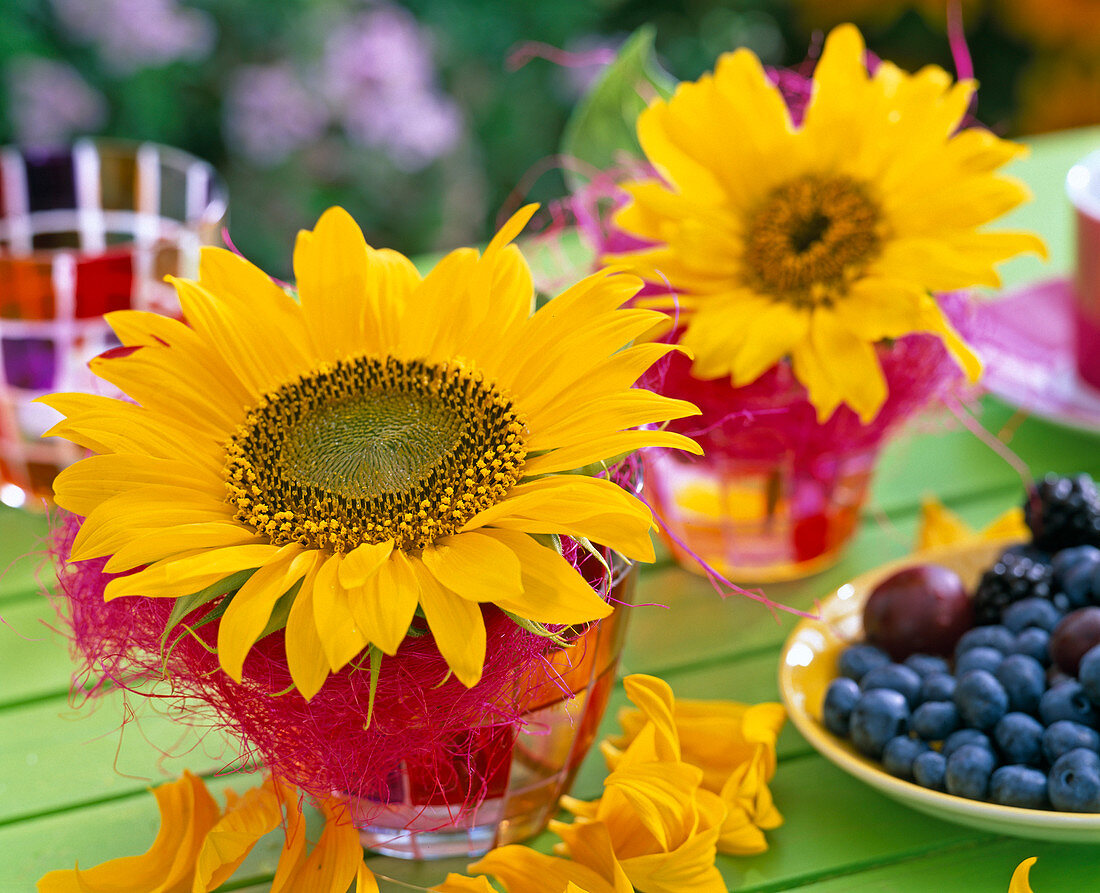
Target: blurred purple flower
[378, 76]
[270, 113]
[135, 34]
[413, 128]
[49, 102]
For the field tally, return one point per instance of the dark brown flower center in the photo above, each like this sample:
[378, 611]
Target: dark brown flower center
[810, 237]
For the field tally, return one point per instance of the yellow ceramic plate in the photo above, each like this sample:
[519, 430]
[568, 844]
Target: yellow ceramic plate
[809, 662]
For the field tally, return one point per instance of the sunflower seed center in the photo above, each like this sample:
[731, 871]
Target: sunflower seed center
[367, 449]
[810, 237]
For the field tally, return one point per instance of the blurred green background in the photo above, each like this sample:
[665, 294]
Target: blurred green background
[425, 118]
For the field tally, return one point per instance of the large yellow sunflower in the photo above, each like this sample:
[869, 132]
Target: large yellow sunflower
[384, 444]
[817, 242]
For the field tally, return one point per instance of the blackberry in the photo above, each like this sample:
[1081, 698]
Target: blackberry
[1012, 578]
[1063, 512]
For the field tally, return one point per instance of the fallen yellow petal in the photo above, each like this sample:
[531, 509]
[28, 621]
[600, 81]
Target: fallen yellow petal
[187, 814]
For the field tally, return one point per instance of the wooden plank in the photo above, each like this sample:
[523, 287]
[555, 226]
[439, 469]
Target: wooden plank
[35, 654]
[981, 868]
[53, 756]
[24, 561]
[94, 834]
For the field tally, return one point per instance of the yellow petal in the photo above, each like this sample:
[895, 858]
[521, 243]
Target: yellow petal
[363, 562]
[232, 838]
[190, 572]
[457, 883]
[250, 609]
[336, 860]
[523, 870]
[330, 266]
[148, 547]
[341, 637]
[553, 591]
[384, 605]
[456, 624]
[603, 448]
[187, 814]
[1021, 881]
[476, 567]
[305, 653]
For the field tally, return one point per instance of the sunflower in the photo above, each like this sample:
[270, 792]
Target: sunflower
[379, 448]
[816, 243]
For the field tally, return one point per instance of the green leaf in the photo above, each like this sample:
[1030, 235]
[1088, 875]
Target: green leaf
[538, 629]
[375, 665]
[185, 604]
[281, 611]
[603, 124]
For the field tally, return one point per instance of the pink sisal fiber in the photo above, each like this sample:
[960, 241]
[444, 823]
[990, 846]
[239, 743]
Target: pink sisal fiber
[444, 734]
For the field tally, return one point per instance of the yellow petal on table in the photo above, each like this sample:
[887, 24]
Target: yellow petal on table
[654, 698]
[553, 590]
[939, 526]
[589, 844]
[476, 567]
[189, 573]
[459, 883]
[690, 867]
[187, 814]
[384, 605]
[1021, 881]
[523, 870]
[250, 609]
[227, 844]
[658, 795]
[335, 861]
[456, 625]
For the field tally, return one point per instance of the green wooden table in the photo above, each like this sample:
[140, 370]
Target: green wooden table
[73, 782]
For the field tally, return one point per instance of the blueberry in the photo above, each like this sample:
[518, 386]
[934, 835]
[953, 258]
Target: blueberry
[980, 658]
[934, 720]
[1088, 674]
[937, 687]
[981, 699]
[895, 677]
[968, 772]
[1061, 603]
[1019, 739]
[929, 769]
[925, 665]
[1074, 781]
[1067, 700]
[1075, 574]
[1034, 642]
[963, 737]
[1019, 786]
[856, 660]
[899, 753]
[1031, 612]
[1024, 681]
[878, 716]
[840, 698]
[985, 637]
[1064, 735]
